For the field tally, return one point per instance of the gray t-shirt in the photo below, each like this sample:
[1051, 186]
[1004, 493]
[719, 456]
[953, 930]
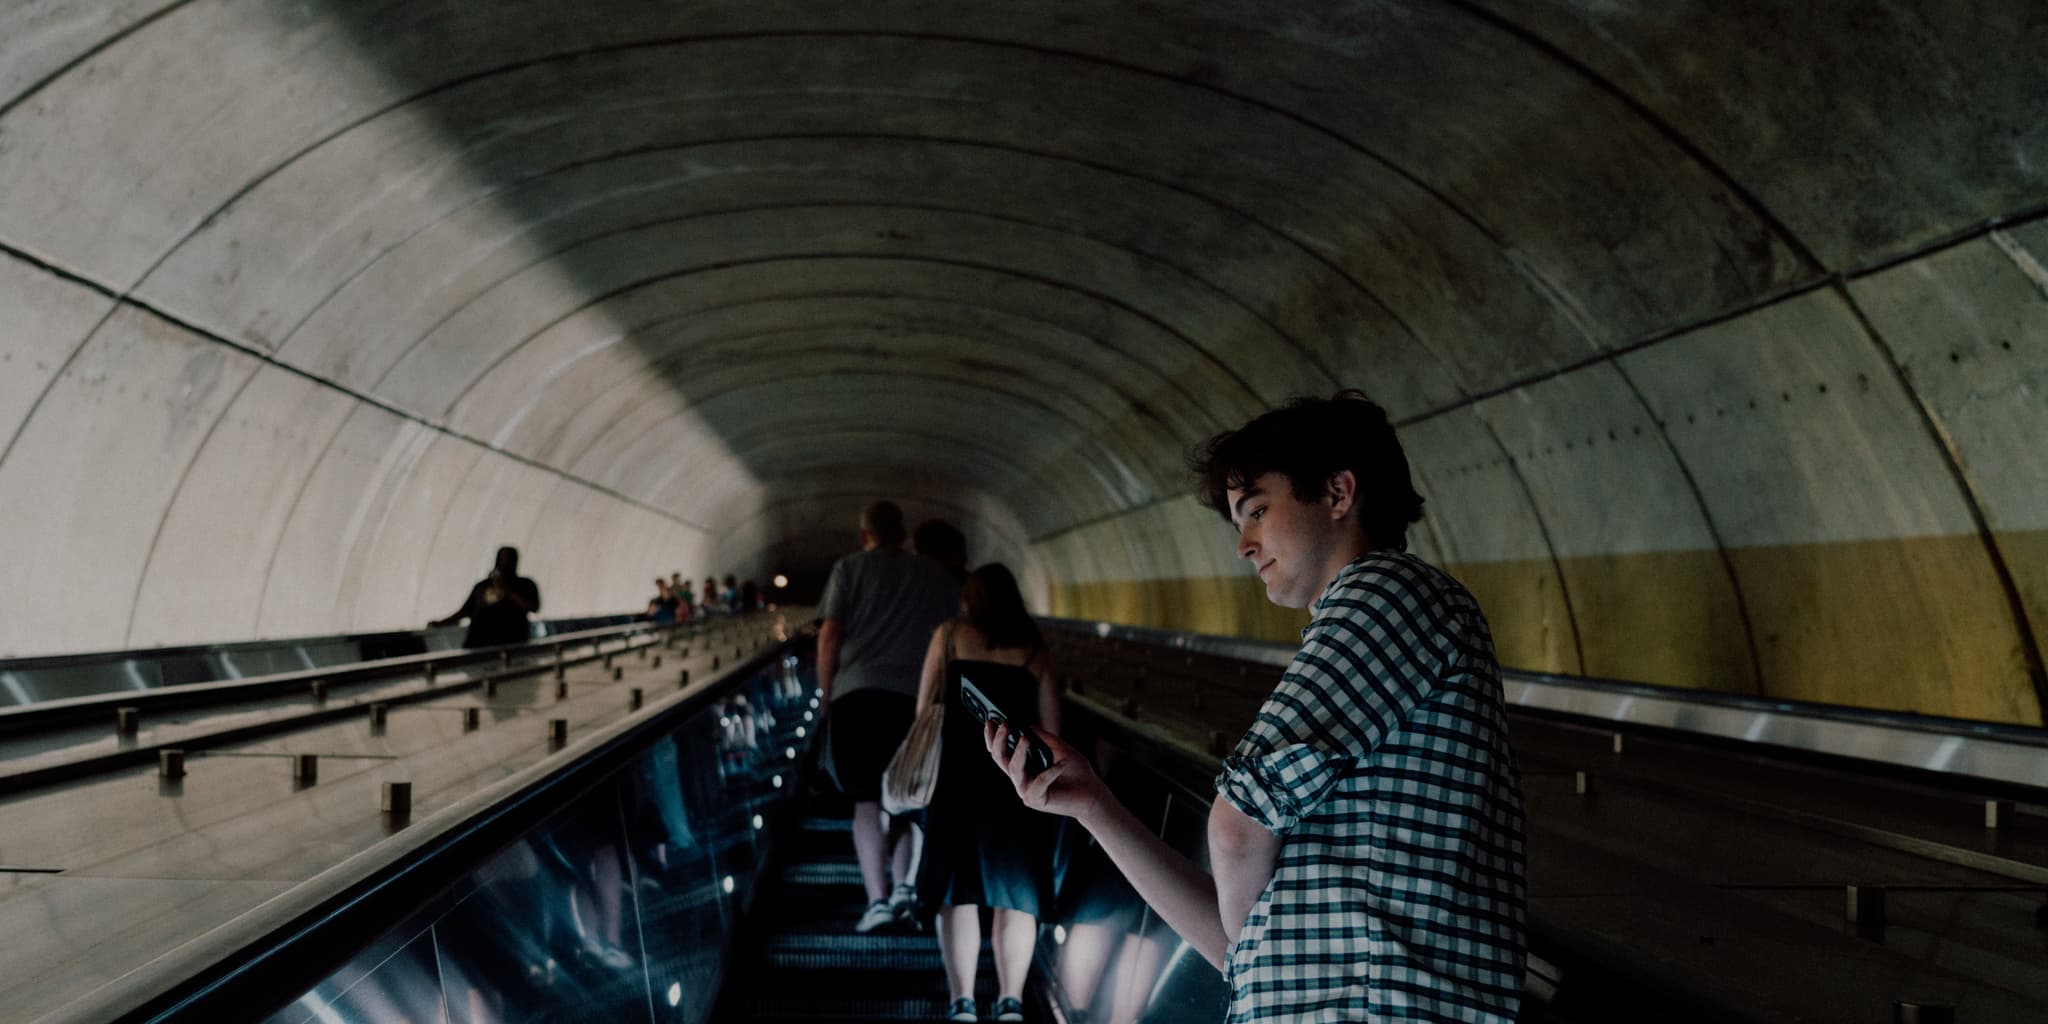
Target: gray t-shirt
[889, 602]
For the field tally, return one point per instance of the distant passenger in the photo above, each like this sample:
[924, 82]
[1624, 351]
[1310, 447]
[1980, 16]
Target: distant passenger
[879, 609]
[686, 601]
[1367, 834]
[708, 600]
[729, 595]
[750, 596]
[942, 542]
[982, 848]
[662, 609]
[497, 606]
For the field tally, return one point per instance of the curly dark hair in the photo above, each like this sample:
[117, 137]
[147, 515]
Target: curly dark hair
[1309, 440]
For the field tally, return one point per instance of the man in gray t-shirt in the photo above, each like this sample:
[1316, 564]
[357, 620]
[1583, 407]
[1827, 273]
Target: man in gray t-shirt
[881, 607]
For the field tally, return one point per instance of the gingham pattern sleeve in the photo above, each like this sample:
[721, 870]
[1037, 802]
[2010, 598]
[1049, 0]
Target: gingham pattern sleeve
[1363, 667]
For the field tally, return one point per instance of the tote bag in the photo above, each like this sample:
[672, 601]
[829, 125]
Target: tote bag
[913, 774]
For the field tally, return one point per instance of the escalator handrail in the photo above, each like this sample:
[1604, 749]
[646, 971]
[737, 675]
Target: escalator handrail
[292, 941]
[97, 707]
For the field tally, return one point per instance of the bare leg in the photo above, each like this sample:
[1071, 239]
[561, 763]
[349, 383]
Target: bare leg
[1137, 971]
[907, 846]
[871, 849]
[960, 947]
[1016, 936]
[1082, 962]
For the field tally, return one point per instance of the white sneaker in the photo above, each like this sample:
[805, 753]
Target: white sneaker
[878, 914]
[903, 904]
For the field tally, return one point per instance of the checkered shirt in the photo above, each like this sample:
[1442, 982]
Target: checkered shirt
[1382, 762]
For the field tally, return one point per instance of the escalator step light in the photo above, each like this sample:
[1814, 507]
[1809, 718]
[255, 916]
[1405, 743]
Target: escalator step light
[618, 673]
[638, 700]
[561, 671]
[490, 687]
[657, 661]
[562, 690]
[170, 764]
[127, 721]
[686, 650]
[607, 661]
[396, 798]
[1997, 813]
[319, 691]
[683, 678]
[379, 715]
[558, 733]
[504, 659]
[714, 663]
[430, 675]
[472, 719]
[306, 768]
[1618, 743]
[1582, 783]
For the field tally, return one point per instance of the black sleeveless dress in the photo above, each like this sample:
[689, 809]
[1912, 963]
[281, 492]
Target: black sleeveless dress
[982, 845]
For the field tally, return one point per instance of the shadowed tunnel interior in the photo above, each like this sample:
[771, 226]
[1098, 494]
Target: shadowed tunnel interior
[1718, 338]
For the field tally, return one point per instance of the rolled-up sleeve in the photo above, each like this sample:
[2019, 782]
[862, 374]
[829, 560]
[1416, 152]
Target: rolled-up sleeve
[1280, 788]
[1354, 680]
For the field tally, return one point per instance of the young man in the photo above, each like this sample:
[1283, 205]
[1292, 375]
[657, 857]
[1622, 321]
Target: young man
[1367, 832]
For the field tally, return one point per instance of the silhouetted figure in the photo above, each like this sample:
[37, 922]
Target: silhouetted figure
[943, 543]
[497, 606]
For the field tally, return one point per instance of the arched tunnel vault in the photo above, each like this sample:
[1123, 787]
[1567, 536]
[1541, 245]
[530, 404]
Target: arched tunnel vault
[1718, 341]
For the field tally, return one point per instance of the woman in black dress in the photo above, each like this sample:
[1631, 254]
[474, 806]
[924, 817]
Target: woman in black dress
[982, 847]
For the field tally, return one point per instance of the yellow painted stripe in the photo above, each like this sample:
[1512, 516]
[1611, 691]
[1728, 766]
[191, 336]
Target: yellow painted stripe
[1907, 625]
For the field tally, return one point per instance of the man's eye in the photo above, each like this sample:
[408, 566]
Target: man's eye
[1259, 513]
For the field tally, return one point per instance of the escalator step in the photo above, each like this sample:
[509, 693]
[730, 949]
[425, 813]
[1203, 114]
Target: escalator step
[852, 952]
[823, 873]
[871, 1009]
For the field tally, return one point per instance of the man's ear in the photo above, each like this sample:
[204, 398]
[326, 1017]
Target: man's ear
[1341, 493]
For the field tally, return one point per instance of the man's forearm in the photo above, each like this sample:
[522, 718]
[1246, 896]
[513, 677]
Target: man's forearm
[1183, 894]
[1243, 855]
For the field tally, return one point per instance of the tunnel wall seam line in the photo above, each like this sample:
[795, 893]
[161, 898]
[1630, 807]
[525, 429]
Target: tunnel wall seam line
[1657, 123]
[1756, 663]
[156, 535]
[9, 106]
[121, 301]
[1952, 459]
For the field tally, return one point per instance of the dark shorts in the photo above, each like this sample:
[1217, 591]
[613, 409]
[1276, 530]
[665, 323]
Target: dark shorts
[864, 731]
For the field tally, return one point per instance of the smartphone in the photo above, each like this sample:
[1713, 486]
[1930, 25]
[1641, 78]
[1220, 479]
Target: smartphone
[986, 710]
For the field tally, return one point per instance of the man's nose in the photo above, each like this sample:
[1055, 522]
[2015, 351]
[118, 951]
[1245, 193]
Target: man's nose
[1247, 545]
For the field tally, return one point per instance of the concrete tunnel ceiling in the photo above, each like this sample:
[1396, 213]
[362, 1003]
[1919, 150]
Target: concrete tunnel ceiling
[1718, 340]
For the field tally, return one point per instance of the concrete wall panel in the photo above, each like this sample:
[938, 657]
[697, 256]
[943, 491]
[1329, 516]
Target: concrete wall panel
[47, 319]
[1857, 555]
[1490, 537]
[89, 477]
[310, 586]
[1651, 595]
[1969, 328]
[206, 568]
